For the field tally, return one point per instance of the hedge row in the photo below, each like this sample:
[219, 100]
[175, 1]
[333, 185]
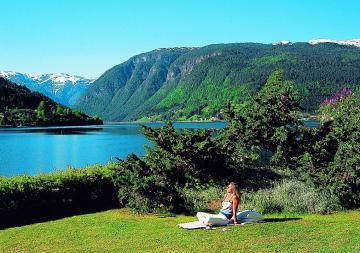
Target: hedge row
[24, 198]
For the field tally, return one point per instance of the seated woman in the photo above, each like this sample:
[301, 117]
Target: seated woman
[227, 212]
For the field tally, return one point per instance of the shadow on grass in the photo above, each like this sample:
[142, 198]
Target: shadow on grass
[19, 218]
[280, 219]
[166, 215]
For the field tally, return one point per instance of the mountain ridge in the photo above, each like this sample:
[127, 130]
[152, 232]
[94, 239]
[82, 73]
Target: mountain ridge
[196, 83]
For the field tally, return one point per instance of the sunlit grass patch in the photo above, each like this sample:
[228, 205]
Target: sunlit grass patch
[120, 230]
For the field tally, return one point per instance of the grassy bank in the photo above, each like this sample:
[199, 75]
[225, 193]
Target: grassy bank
[119, 230]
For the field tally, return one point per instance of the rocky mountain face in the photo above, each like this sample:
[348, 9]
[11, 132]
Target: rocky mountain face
[120, 93]
[62, 88]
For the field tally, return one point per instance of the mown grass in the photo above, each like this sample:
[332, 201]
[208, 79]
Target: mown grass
[119, 230]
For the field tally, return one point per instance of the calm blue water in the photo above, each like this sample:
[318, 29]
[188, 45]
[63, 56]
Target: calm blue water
[35, 150]
[45, 149]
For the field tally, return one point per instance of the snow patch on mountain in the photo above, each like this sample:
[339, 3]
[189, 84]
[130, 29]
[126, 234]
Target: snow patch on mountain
[282, 42]
[8, 74]
[352, 42]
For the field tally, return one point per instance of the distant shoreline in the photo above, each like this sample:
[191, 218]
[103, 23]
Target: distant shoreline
[145, 122]
[104, 124]
[311, 118]
[49, 126]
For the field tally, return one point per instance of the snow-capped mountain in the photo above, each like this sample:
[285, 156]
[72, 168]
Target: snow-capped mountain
[62, 88]
[353, 42]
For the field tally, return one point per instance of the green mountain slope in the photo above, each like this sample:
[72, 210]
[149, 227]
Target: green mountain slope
[194, 83]
[21, 107]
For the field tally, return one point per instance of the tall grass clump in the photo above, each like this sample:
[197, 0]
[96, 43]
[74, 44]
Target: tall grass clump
[206, 198]
[290, 196]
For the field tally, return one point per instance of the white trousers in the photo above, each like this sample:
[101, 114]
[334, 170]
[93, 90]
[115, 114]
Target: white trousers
[212, 219]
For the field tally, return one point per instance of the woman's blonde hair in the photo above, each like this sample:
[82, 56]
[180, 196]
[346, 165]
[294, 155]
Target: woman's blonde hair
[234, 189]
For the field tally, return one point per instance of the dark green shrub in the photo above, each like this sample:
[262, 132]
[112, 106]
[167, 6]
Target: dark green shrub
[142, 187]
[179, 160]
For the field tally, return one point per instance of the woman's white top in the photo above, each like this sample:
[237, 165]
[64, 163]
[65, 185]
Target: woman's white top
[227, 208]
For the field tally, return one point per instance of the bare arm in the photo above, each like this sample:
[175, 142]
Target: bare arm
[236, 202]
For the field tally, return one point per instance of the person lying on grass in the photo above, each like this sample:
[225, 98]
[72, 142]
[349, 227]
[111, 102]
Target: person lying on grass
[227, 212]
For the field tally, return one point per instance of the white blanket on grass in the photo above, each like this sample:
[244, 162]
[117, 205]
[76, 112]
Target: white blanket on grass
[244, 217]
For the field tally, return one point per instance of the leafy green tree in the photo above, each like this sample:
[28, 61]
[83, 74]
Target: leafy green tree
[269, 124]
[59, 110]
[2, 119]
[41, 110]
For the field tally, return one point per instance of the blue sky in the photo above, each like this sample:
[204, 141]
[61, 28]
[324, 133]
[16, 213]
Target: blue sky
[87, 37]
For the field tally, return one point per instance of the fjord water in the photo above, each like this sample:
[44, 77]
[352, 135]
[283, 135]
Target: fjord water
[44, 149]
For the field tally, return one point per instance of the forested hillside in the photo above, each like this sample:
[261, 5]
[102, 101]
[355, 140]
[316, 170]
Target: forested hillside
[21, 107]
[196, 83]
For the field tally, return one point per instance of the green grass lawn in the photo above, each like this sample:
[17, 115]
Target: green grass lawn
[119, 230]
